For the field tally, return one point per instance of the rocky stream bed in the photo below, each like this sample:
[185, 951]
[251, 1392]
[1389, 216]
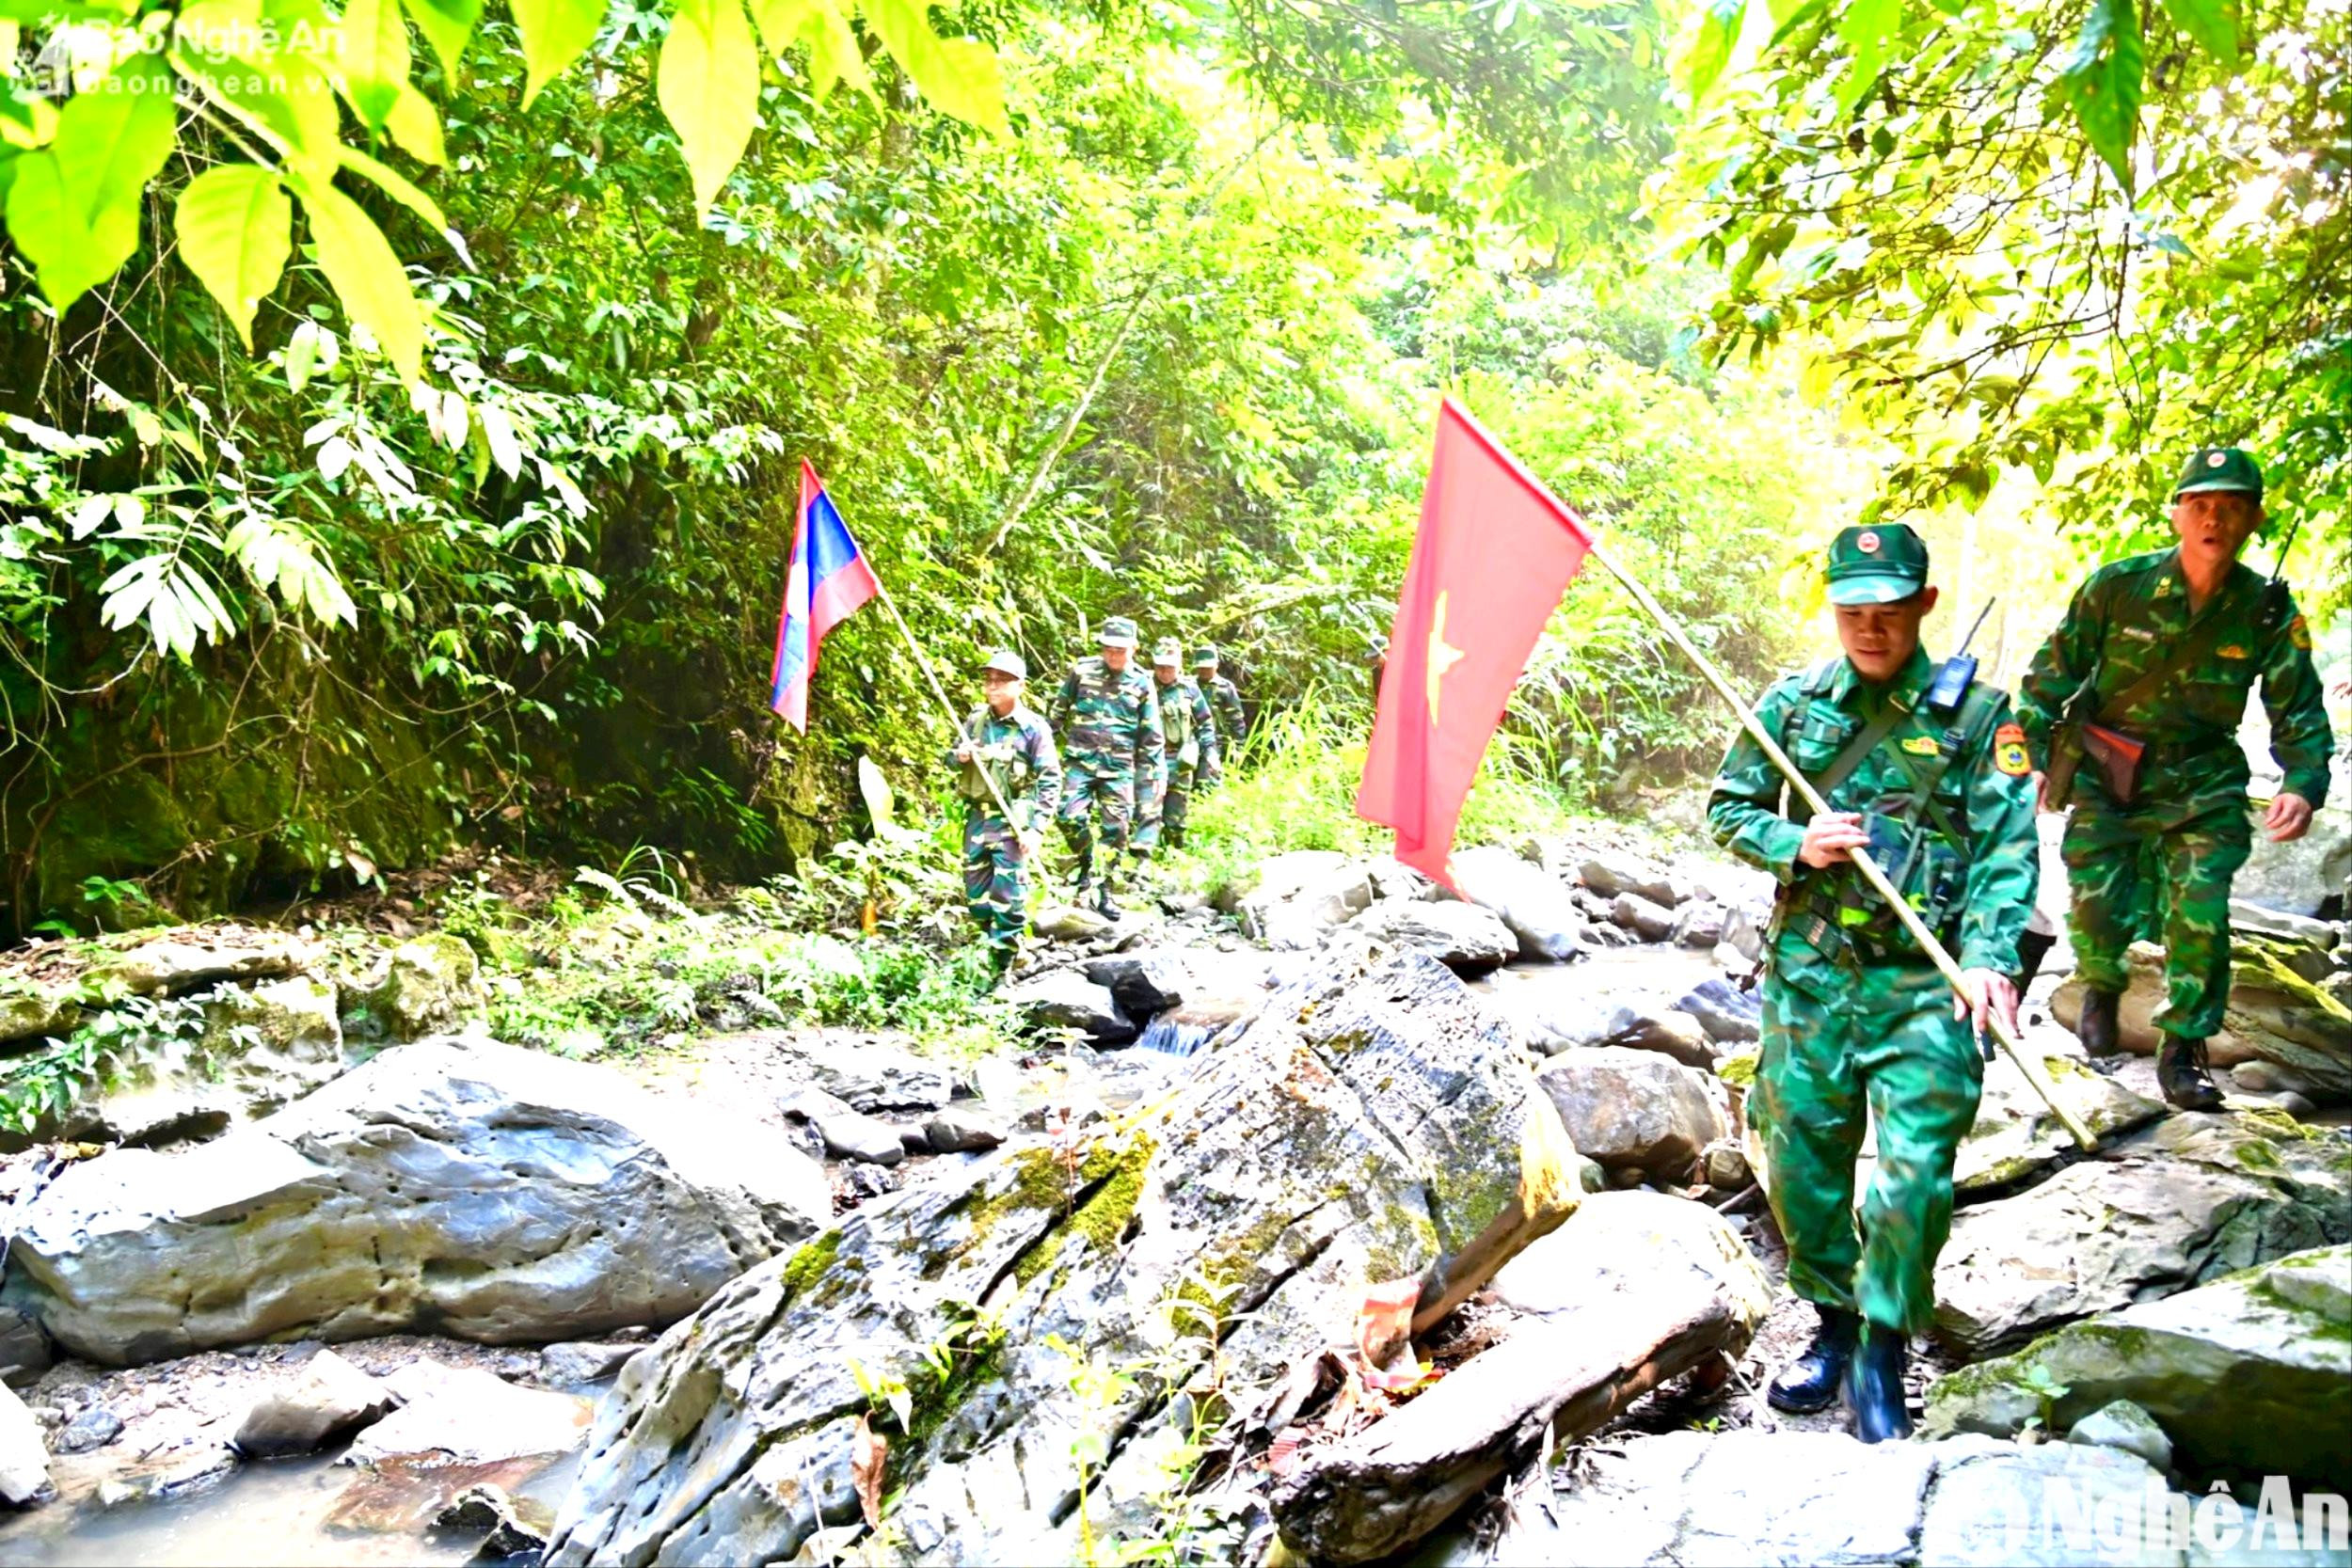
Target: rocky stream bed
[343, 1279]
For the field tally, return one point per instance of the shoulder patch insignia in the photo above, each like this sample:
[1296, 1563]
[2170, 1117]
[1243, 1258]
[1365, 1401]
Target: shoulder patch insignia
[1920, 745]
[2300, 634]
[2232, 651]
[2008, 752]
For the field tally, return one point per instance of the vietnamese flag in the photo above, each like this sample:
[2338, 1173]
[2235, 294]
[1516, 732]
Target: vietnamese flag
[1495, 551]
[829, 579]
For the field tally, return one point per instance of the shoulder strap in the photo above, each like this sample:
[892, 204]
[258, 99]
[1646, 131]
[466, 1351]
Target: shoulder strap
[2194, 643]
[1842, 767]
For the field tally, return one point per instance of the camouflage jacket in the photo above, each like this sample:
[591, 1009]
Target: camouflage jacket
[1224, 700]
[1109, 722]
[1184, 721]
[2123, 619]
[1018, 752]
[1984, 794]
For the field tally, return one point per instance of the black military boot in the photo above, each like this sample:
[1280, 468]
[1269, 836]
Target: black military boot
[1173, 837]
[2181, 1073]
[2096, 1028]
[1874, 1386]
[1810, 1382]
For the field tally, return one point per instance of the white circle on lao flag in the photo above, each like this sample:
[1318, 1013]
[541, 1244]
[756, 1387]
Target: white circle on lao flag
[1868, 544]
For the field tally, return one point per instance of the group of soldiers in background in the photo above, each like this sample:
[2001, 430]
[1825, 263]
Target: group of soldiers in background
[2143, 683]
[1133, 751]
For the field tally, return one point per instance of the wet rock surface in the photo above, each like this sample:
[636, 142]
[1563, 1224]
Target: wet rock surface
[507, 1194]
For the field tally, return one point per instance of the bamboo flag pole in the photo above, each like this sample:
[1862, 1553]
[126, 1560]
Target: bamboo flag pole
[1878, 879]
[922, 662]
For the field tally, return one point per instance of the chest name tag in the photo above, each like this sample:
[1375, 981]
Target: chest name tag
[1920, 745]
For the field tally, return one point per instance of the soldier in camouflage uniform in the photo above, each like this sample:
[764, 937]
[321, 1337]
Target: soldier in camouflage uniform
[1188, 748]
[2161, 863]
[1012, 744]
[1225, 703]
[1856, 1016]
[1108, 714]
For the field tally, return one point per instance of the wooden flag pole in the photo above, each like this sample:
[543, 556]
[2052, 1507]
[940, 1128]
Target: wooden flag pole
[1945, 963]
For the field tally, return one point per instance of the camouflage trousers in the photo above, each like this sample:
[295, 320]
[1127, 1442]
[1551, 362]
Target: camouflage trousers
[1890, 1045]
[995, 879]
[1165, 810]
[2161, 876]
[1089, 796]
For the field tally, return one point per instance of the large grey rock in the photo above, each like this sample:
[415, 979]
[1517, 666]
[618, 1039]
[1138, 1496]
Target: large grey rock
[1069, 923]
[1296, 899]
[2015, 1138]
[1701, 924]
[1729, 1015]
[1802, 1498]
[1065, 999]
[1643, 917]
[957, 1131]
[261, 1047]
[1143, 984]
[1367, 1126]
[2189, 1200]
[30, 1011]
[435, 985]
[868, 1074]
[1633, 1108]
[476, 1190]
[465, 1416]
[183, 961]
[1462, 937]
[1668, 1030]
[326, 1398]
[2299, 877]
[853, 1135]
[1534, 905]
[23, 1457]
[2122, 1424]
[1610, 872]
[2251, 1372]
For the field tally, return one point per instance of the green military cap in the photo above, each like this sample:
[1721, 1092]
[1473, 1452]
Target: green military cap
[1167, 650]
[1005, 661]
[1118, 632]
[2227, 468]
[1877, 565]
[1204, 658]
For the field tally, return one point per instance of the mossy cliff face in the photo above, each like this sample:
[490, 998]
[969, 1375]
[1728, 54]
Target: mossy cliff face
[1283, 1178]
[2251, 1375]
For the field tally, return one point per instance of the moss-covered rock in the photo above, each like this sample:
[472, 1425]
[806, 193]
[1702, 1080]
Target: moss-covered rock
[2249, 1376]
[2276, 1014]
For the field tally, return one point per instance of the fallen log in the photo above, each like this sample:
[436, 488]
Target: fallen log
[1607, 1327]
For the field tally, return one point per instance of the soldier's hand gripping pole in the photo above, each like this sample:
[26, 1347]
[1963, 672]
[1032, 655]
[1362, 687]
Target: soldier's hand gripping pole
[1945, 963]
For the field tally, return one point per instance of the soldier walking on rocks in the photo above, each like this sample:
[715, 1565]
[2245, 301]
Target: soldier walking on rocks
[1108, 714]
[2146, 680]
[1004, 742]
[1188, 739]
[1224, 701]
[1856, 1016]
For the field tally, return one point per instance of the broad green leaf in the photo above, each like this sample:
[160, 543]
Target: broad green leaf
[709, 85]
[958, 78]
[73, 206]
[367, 276]
[302, 355]
[2102, 80]
[282, 94]
[1867, 28]
[446, 26]
[415, 125]
[780, 22]
[1710, 48]
[2211, 23]
[372, 52]
[235, 226]
[25, 121]
[398, 186]
[555, 33]
[833, 52]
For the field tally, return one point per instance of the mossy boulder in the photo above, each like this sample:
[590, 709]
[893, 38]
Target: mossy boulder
[2249, 1374]
[1368, 1126]
[2276, 1014]
[430, 985]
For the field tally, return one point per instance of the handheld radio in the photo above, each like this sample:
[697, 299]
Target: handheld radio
[1958, 672]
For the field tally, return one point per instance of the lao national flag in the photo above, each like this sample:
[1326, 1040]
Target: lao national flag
[1494, 553]
[829, 579]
